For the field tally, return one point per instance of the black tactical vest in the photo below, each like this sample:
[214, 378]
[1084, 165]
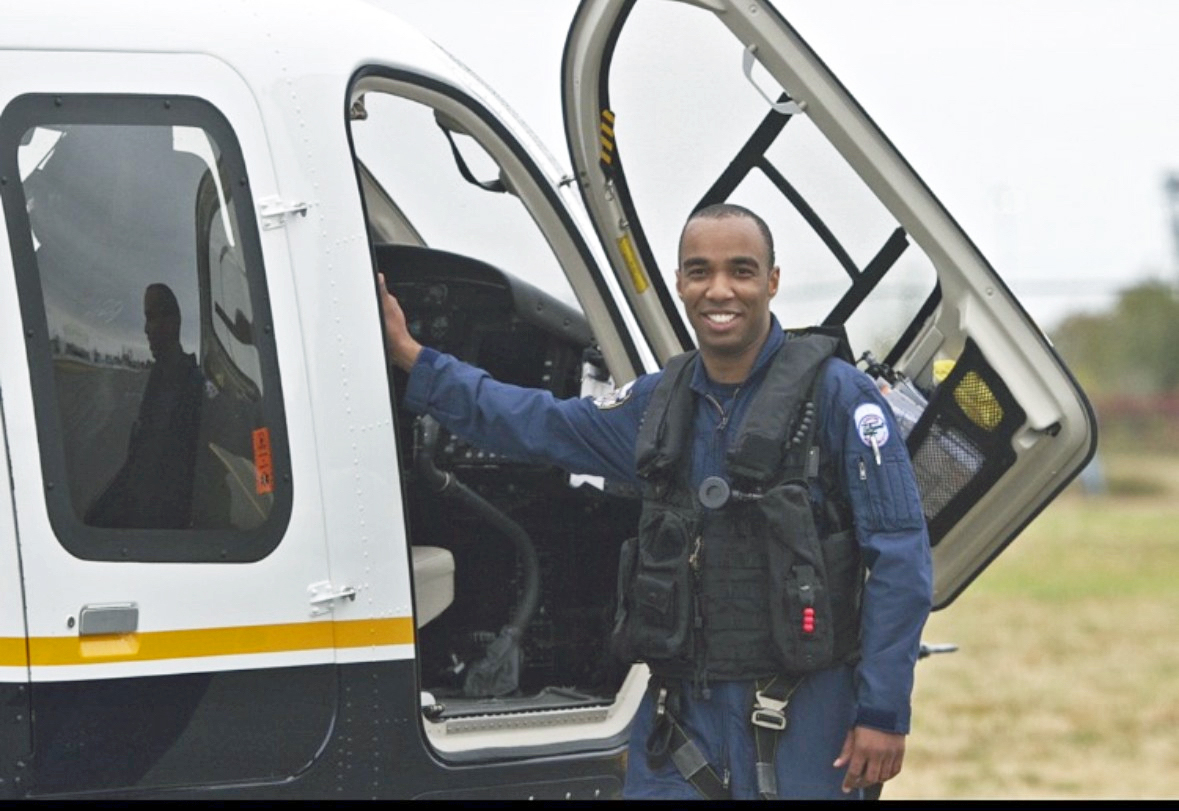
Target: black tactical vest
[747, 588]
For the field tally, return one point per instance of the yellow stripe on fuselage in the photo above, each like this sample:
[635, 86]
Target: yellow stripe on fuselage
[13, 652]
[250, 639]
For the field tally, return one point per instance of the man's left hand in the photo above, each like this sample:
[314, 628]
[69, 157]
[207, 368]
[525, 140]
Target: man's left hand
[871, 756]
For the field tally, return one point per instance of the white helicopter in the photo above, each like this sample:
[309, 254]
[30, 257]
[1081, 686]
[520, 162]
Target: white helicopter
[226, 569]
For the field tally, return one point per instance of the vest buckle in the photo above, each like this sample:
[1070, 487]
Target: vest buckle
[661, 703]
[769, 713]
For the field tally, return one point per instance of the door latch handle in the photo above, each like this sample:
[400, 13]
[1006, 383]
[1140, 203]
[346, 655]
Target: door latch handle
[108, 619]
[789, 107]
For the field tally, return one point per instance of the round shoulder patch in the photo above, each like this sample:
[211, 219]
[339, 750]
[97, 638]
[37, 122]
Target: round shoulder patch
[871, 425]
[615, 398]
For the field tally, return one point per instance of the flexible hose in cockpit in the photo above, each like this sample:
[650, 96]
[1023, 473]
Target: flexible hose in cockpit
[498, 673]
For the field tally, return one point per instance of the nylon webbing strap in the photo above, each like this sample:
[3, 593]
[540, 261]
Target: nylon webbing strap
[771, 701]
[668, 739]
[757, 451]
[661, 437]
[496, 185]
[690, 761]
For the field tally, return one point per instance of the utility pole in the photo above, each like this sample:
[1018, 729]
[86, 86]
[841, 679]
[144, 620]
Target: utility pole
[1171, 186]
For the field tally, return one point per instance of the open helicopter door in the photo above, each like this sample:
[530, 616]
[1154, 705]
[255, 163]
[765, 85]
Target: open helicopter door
[670, 106]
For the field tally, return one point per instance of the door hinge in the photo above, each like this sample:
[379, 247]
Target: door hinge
[324, 597]
[274, 212]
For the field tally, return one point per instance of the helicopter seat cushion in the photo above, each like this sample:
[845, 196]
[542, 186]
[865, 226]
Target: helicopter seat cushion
[433, 580]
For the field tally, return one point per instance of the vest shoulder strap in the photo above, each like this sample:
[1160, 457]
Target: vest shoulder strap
[843, 349]
[758, 451]
[665, 426]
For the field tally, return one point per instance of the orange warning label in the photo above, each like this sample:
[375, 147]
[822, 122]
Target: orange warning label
[263, 466]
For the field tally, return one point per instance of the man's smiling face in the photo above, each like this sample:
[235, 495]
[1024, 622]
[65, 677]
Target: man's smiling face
[726, 282]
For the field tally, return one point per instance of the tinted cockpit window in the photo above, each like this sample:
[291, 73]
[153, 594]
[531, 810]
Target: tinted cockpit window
[153, 368]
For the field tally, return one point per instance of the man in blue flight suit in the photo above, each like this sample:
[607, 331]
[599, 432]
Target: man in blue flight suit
[848, 718]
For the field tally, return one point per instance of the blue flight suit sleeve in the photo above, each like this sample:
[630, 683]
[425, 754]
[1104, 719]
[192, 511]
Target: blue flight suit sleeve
[874, 468]
[531, 425]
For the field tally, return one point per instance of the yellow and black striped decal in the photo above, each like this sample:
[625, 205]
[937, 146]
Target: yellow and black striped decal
[606, 141]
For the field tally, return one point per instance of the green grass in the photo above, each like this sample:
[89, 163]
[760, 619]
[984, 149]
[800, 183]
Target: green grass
[1090, 549]
[1136, 486]
[1066, 681]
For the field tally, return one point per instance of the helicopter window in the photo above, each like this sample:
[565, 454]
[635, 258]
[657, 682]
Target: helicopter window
[142, 293]
[844, 257]
[449, 191]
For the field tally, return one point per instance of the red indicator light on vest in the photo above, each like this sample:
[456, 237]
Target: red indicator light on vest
[808, 620]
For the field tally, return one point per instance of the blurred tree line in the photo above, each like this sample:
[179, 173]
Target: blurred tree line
[1127, 361]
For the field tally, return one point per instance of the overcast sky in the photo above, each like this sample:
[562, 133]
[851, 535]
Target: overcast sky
[1046, 127]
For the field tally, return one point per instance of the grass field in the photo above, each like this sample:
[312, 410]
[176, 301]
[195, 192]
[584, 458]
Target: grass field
[1066, 681]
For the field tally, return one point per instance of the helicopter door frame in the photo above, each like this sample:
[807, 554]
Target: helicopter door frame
[16, 735]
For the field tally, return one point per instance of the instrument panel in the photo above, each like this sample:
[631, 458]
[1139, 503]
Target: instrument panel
[490, 319]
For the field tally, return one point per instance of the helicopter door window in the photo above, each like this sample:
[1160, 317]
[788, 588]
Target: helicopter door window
[844, 257]
[142, 293]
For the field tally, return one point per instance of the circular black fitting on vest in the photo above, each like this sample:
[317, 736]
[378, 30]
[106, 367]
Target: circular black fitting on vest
[714, 492]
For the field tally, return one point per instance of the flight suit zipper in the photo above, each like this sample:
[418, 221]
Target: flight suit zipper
[695, 558]
[720, 409]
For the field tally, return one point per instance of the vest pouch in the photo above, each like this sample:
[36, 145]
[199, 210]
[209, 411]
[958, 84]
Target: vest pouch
[654, 615]
[845, 579]
[627, 561]
[802, 620]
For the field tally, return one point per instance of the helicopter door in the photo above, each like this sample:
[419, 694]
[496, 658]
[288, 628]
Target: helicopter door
[671, 106]
[173, 633]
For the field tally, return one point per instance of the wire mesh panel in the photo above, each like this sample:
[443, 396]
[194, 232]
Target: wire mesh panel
[962, 444]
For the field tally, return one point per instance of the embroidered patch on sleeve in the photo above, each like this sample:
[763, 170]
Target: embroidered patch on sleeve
[614, 398]
[870, 425]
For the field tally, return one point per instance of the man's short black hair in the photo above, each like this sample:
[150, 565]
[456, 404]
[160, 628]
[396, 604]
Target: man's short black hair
[718, 211]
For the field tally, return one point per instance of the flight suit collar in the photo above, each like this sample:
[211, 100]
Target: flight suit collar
[701, 384]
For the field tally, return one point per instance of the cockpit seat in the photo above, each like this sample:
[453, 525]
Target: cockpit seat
[433, 580]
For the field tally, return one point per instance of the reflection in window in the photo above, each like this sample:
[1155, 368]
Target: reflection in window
[153, 487]
[150, 326]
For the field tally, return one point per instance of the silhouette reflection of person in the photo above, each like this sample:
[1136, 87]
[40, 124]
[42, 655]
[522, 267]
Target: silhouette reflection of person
[154, 486]
[110, 734]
